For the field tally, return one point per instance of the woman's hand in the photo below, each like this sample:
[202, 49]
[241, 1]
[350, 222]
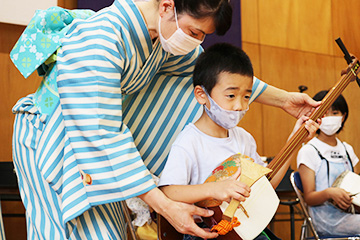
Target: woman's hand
[230, 188]
[299, 104]
[178, 214]
[340, 197]
[294, 103]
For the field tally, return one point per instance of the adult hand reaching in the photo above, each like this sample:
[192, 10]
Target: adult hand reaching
[294, 103]
[299, 104]
[179, 215]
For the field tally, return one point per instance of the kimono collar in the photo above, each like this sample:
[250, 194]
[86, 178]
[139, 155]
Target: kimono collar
[41, 38]
[136, 23]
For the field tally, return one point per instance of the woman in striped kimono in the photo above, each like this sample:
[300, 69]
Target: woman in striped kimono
[114, 96]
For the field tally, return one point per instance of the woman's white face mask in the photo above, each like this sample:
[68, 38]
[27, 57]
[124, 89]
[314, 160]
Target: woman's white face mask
[179, 43]
[331, 124]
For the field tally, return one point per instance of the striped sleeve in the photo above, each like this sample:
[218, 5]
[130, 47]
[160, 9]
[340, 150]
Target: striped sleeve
[257, 89]
[90, 66]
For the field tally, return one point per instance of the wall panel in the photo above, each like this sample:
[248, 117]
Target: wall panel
[345, 20]
[249, 21]
[350, 132]
[298, 24]
[297, 47]
[287, 69]
[69, 4]
[252, 121]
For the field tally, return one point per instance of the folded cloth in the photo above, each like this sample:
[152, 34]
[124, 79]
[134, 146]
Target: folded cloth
[41, 38]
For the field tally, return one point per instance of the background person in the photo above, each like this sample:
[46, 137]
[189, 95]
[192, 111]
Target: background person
[320, 162]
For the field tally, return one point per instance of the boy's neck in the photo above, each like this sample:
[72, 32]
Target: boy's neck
[206, 125]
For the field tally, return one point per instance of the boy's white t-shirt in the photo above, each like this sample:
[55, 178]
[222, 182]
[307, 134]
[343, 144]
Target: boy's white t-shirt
[194, 154]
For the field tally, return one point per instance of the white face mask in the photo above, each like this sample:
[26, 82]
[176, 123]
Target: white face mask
[224, 118]
[179, 43]
[330, 125]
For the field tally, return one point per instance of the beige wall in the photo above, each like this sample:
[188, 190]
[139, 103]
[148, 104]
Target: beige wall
[292, 43]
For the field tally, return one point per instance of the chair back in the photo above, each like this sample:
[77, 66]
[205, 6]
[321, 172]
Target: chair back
[298, 188]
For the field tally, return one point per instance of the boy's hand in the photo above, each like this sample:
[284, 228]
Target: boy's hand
[310, 126]
[230, 188]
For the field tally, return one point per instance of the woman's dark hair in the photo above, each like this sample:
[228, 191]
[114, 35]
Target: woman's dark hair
[220, 57]
[220, 10]
[339, 105]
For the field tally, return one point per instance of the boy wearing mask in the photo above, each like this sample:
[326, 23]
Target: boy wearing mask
[222, 79]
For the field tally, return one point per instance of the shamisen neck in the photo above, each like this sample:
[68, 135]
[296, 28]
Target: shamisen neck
[300, 135]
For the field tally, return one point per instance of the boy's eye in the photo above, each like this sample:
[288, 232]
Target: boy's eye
[247, 97]
[231, 96]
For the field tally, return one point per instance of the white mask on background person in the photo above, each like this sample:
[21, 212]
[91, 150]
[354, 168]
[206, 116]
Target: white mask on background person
[179, 43]
[331, 124]
[224, 118]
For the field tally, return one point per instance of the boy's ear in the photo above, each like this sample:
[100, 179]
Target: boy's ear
[200, 95]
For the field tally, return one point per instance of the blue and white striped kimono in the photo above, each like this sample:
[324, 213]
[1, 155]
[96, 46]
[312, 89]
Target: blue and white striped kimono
[119, 100]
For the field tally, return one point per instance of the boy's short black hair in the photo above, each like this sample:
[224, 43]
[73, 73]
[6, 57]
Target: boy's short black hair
[220, 57]
[339, 105]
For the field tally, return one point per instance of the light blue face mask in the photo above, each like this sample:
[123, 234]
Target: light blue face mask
[224, 118]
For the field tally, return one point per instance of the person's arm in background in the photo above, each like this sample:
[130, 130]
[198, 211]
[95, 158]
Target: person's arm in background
[294, 103]
[314, 198]
[311, 127]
